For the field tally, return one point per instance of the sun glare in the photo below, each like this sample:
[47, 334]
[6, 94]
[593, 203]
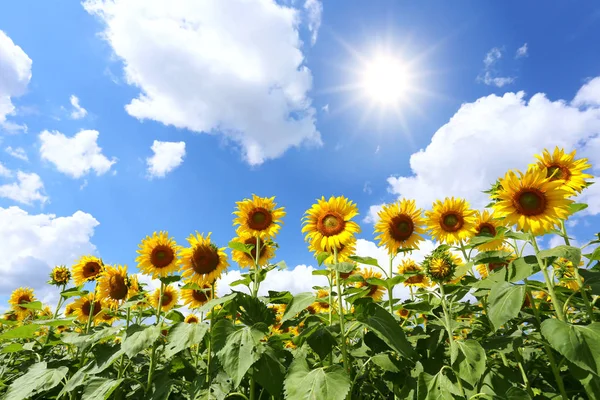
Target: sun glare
[385, 80]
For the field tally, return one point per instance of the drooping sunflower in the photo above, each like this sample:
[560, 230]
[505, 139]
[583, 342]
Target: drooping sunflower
[83, 307]
[113, 286]
[400, 226]
[203, 261]
[532, 201]
[485, 223]
[244, 260]
[87, 269]
[69, 310]
[562, 166]
[192, 319]
[258, 217]
[344, 251]
[169, 298]
[328, 223]
[486, 269]
[20, 296]
[194, 298]
[440, 266]
[158, 255]
[59, 275]
[451, 221]
[565, 273]
[419, 279]
[322, 304]
[375, 291]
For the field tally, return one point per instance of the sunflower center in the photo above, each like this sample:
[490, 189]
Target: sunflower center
[162, 256]
[331, 224]
[556, 172]
[259, 219]
[200, 296]
[401, 227]
[24, 299]
[205, 259]
[118, 287]
[85, 308]
[372, 290]
[262, 246]
[167, 298]
[192, 320]
[487, 229]
[531, 202]
[91, 269]
[495, 266]
[452, 222]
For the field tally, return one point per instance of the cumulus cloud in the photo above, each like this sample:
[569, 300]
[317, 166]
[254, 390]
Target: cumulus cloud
[486, 137]
[33, 244]
[19, 153]
[589, 94]
[15, 74]
[490, 75]
[230, 67]
[314, 9]
[167, 156]
[372, 214]
[78, 111]
[5, 172]
[27, 189]
[75, 156]
[522, 51]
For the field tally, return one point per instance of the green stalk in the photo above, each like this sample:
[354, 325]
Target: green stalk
[212, 315]
[450, 332]
[58, 306]
[91, 313]
[549, 283]
[153, 355]
[390, 288]
[255, 294]
[341, 311]
[122, 364]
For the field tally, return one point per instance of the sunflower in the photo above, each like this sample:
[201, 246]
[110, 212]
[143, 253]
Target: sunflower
[113, 286]
[107, 318]
[400, 226]
[83, 305]
[409, 265]
[440, 265]
[59, 276]
[328, 223]
[87, 269]
[192, 319]
[169, 298]
[485, 223]
[375, 291]
[451, 221]
[46, 312]
[258, 217]
[196, 298]
[322, 304]
[20, 296]
[69, 310]
[344, 251]
[10, 316]
[566, 274]
[203, 261]
[403, 313]
[532, 201]
[244, 259]
[134, 286]
[564, 167]
[293, 331]
[485, 269]
[158, 255]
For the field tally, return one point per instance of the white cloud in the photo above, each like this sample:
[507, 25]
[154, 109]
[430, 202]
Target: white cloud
[15, 74]
[78, 111]
[589, 94]
[233, 67]
[27, 189]
[5, 172]
[19, 153]
[325, 108]
[32, 244]
[75, 156]
[167, 156]
[314, 9]
[522, 51]
[490, 75]
[372, 214]
[491, 135]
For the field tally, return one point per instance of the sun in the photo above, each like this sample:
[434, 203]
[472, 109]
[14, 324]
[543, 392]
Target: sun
[386, 80]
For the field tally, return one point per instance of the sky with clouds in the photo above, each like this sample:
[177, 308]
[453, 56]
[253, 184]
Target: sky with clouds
[120, 118]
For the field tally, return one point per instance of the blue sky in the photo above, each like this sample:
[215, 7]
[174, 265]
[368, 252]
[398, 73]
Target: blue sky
[347, 145]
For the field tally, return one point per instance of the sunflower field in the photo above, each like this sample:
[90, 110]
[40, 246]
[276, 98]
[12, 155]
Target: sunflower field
[489, 315]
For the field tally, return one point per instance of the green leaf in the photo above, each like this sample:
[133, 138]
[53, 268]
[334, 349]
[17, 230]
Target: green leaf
[579, 344]
[504, 303]
[385, 326]
[38, 379]
[517, 235]
[21, 332]
[576, 207]
[384, 362]
[322, 256]
[487, 257]
[595, 255]
[215, 302]
[34, 305]
[192, 286]
[76, 291]
[219, 333]
[175, 316]
[344, 267]
[280, 297]
[298, 303]
[12, 348]
[105, 355]
[589, 381]
[55, 322]
[322, 272]
[301, 383]
[269, 372]
[242, 349]
[182, 336]
[253, 311]
[365, 260]
[571, 253]
[468, 358]
[319, 338]
[100, 388]
[139, 338]
[238, 246]
[436, 387]
[167, 280]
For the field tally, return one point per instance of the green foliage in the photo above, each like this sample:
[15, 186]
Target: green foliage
[325, 383]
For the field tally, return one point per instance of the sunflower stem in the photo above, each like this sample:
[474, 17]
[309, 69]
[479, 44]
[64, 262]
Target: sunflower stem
[450, 332]
[390, 287]
[58, 306]
[154, 347]
[341, 311]
[209, 347]
[255, 294]
[122, 364]
[555, 301]
[91, 312]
